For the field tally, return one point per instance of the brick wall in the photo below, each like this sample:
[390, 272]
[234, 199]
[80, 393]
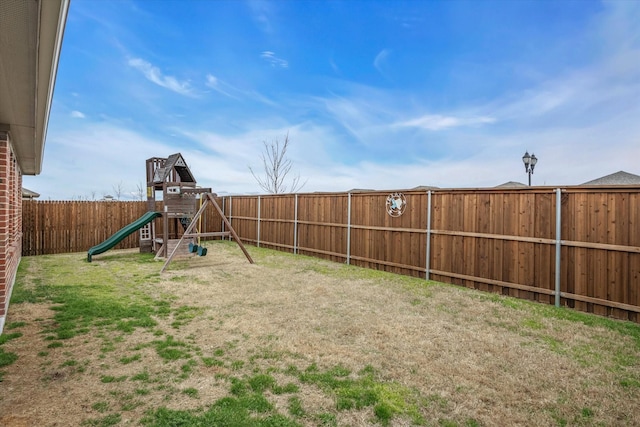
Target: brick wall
[10, 222]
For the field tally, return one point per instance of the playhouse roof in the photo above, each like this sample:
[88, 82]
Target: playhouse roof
[175, 162]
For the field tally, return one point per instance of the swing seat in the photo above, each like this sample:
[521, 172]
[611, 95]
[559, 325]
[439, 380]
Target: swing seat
[202, 251]
[193, 248]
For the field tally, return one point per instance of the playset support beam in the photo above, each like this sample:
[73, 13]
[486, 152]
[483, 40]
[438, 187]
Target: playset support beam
[209, 199]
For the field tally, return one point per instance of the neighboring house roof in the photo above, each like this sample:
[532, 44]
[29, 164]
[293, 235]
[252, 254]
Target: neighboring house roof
[618, 178]
[29, 52]
[28, 194]
[425, 188]
[511, 184]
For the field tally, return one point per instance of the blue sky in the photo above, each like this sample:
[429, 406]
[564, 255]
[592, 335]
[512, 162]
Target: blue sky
[373, 94]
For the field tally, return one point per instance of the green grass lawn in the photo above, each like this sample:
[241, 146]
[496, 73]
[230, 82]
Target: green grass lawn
[297, 341]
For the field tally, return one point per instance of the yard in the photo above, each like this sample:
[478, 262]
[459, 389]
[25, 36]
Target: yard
[297, 341]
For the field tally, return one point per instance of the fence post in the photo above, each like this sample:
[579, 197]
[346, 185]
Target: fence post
[222, 220]
[295, 226]
[349, 228]
[230, 205]
[428, 263]
[558, 243]
[258, 232]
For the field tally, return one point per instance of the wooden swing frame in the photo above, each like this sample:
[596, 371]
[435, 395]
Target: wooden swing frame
[188, 233]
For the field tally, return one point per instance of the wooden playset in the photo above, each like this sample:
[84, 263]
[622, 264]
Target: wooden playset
[183, 203]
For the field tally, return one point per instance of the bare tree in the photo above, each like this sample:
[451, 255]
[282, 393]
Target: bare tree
[277, 167]
[140, 191]
[118, 189]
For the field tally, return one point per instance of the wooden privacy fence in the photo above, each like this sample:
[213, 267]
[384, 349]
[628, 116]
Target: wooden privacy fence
[575, 246]
[51, 227]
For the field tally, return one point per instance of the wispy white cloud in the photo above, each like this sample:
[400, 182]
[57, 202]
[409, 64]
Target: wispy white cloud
[77, 114]
[439, 122]
[357, 115]
[604, 87]
[155, 75]
[212, 81]
[275, 61]
[236, 93]
[334, 66]
[618, 26]
[221, 87]
[552, 97]
[381, 59]
[261, 12]
[256, 96]
[409, 21]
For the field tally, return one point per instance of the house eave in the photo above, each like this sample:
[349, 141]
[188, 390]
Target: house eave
[30, 51]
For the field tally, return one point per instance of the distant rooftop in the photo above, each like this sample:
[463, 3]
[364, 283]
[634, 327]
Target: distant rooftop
[511, 184]
[360, 190]
[425, 188]
[618, 178]
[29, 194]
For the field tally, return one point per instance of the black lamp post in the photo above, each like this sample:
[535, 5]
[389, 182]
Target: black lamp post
[529, 163]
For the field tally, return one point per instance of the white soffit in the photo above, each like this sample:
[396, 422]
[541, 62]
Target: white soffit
[30, 40]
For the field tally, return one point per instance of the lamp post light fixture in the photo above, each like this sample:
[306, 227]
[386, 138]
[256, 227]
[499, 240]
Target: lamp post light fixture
[529, 163]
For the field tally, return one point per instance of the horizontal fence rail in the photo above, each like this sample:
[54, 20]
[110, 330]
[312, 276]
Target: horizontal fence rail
[574, 246]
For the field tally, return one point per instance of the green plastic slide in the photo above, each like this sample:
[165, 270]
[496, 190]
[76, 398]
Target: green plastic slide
[122, 233]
